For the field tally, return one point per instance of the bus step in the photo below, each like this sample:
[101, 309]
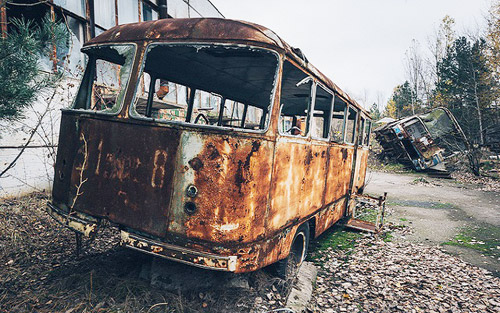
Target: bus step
[361, 225]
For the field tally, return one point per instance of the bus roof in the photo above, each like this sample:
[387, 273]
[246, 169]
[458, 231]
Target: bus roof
[213, 30]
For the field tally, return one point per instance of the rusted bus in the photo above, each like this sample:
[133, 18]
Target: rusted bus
[214, 143]
[423, 141]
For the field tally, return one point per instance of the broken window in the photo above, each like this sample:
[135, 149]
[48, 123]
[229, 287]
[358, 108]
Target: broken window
[338, 120]
[351, 125]
[322, 112]
[444, 131]
[212, 85]
[368, 129]
[296, 101]
[106, 76]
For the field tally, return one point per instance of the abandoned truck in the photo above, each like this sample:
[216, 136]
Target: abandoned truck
[424, 141]
[210, 142]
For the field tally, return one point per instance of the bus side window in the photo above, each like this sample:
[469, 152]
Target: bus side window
[322, 112]
[368, 129]
[361, 138]
[295, 102]
[338, 120]
[351, 125]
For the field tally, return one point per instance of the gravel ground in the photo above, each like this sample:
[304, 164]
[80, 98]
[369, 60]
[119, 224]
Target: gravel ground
[379, 276]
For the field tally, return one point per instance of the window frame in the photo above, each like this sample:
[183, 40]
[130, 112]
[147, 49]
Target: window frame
[356, 111]
[125, 88]
[307, 80]
[365, 134]
[344, 121]
[133, 115]
[330, 116]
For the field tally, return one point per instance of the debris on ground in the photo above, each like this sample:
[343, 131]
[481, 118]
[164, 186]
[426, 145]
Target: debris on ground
[380, 276]
[482, 183]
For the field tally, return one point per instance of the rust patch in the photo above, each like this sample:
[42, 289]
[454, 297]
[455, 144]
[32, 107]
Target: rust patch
[196, 164]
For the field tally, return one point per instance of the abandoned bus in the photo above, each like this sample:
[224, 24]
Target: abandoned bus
[207, 141]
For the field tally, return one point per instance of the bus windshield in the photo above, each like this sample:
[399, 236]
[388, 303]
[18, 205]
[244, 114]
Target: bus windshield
[214, 85]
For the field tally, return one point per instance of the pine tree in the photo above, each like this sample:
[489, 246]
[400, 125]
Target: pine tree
[20, 52]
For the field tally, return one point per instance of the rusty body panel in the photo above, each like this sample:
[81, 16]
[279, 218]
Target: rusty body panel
[220, 198]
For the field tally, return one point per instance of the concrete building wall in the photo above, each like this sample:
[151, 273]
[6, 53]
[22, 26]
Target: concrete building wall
[28, 147]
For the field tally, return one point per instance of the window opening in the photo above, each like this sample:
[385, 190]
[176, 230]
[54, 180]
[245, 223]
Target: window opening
[230, 87]
[368, 129]
[351, 125]
[105, 78]
[322, 112]
[338, 120]
[296, 101]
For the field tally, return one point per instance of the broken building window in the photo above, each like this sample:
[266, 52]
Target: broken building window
[295, 101]
[322, 112]
[210, 85]
[106, 76]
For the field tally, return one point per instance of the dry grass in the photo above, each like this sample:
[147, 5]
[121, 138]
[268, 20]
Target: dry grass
[39, 271]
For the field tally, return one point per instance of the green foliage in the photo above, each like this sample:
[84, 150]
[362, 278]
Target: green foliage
[402, 100]
[20, 72]
[466, 85]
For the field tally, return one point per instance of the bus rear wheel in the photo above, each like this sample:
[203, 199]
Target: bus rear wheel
[288, 267]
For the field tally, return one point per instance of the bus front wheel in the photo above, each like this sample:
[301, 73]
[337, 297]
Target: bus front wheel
[288, 267]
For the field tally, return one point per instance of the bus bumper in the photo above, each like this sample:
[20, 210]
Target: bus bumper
[88, 226]
[179, 254]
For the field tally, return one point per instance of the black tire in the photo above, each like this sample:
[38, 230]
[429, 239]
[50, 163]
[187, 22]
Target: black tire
[288, 267]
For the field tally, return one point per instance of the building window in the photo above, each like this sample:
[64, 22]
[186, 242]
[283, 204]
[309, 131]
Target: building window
[128, 11]
[148, 13]
[74, 6]
[104, 12]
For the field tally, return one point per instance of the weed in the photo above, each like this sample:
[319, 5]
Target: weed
[337, 238]
[403, 219]
[483, 238]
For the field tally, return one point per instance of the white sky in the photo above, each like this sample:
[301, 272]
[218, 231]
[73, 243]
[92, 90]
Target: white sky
[359, 44]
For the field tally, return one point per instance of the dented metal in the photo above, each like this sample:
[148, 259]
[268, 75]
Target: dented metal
[223, 198]
[424, 141]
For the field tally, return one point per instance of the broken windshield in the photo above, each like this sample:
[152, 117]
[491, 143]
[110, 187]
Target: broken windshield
[211, 85]
[444, 131]
[104, 83]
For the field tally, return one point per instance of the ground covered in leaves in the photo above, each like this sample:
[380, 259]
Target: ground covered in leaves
[383, 276]
[357, 273]
[39, 272]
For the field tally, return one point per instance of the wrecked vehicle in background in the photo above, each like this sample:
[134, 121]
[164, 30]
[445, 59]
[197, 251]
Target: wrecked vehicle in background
[424, 141]
[210, 142]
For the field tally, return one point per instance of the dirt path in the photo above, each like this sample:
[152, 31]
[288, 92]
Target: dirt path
[441, 211]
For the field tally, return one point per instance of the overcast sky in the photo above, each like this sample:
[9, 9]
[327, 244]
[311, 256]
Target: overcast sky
[359, 44]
